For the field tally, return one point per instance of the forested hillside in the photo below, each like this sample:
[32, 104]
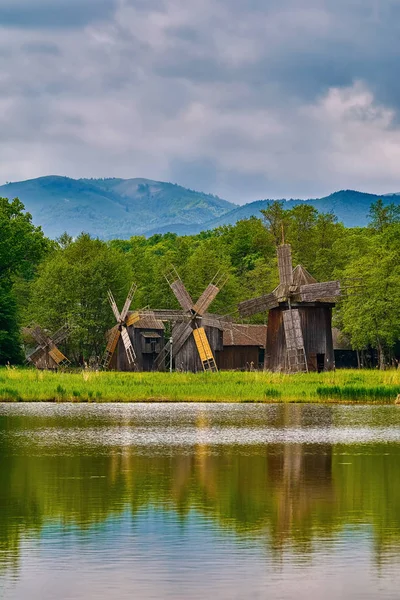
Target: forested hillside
[67, 280]
[111, 208]
[119, 208]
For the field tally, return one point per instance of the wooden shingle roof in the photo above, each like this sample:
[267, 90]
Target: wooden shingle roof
[245, 335]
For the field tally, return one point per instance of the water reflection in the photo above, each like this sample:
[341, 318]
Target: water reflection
[64, 470]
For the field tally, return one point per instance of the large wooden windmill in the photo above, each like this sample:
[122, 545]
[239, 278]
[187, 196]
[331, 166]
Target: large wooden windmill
[196, 334]
[46, 355]
[299, 332]
[121, 329]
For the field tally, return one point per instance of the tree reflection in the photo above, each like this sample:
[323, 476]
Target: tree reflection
[285, 495]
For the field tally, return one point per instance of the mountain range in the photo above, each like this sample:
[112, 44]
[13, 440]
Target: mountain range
[120, 208]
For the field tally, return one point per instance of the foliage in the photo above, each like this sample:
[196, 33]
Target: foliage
[22, 246]
[72, 287]
[74, 275]
[370, 314]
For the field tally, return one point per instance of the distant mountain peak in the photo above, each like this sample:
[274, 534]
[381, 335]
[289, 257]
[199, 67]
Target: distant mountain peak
[115, 207]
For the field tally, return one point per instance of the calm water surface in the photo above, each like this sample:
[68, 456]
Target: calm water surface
[199, 501]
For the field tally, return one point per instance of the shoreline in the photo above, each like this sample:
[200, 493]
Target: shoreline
[335, 387]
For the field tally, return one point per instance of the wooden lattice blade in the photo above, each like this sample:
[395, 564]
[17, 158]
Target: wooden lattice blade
[130, 353]
[257, 305]
[114, 306]
[182, 295]
[113, 340]
[206, 298]
[35, 356]
[61, 334]
[285, 264]
[180, 334]
[132, 319]
[40, 336]
[57, 355]
[293, 332]
[128, 301]
[203, 347]
[315, 292]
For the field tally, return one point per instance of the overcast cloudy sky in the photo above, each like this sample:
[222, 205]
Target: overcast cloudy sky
[244, 98]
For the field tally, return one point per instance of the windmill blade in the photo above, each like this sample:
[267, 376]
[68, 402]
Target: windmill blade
[257, 305]
[292, 327]
[315, 292]
[296, 355]
[204, 349]
[181, 294]
[128, 301]
[130, 353]
[180, 334]
[285, 264]
[34, 356]
[113, 306]
[61, 334]
[209, 294]
[58, 356]
[112, 342]
[40, 336]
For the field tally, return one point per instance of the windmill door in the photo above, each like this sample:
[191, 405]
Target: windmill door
[320, 363]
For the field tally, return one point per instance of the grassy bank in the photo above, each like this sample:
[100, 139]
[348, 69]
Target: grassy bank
[29, 385]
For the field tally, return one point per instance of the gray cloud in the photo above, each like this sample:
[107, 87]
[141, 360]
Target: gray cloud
[244, 99]
[53, 13]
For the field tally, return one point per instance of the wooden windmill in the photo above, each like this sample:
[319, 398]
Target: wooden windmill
[46, 355]
[120, 330]
[196, 334]
[299, 331]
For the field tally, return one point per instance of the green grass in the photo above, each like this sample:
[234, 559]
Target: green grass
[22, 384]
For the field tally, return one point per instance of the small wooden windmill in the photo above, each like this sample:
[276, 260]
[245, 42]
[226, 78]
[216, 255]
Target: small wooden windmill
[299, 332]
[46, 355]
[120, 330]
[191, 343]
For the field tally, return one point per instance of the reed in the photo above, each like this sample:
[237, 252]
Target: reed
[29, 385]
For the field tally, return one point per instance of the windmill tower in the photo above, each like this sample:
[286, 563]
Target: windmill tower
[196, 334]
[135, 341]
[120, 330]
[299, 331]
[46, 355]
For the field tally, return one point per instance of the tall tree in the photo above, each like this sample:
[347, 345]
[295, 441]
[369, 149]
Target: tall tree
[72, 286]
[22, 245]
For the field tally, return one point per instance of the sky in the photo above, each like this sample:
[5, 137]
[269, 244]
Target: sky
[245, 99]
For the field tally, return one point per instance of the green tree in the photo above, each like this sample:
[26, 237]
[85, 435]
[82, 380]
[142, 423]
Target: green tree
[371, 317]
[72, 287]
[276, 220]
[381, 215]
[22, 245]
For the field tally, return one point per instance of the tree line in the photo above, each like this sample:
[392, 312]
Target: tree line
[51, 282]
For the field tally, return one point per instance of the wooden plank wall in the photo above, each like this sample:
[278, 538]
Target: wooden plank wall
[119, 361]
[316, 324]
[187, 359]
[234, 358]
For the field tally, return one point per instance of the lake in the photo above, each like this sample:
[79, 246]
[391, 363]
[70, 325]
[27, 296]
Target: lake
[183, 501]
